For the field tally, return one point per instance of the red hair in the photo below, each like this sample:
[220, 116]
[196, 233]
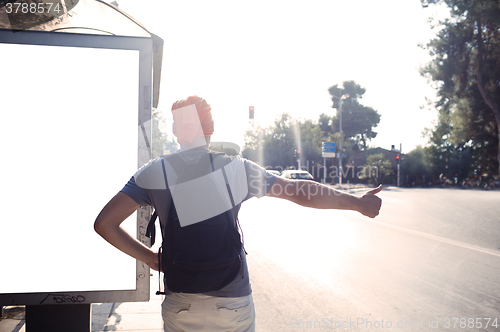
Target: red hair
[185, 134]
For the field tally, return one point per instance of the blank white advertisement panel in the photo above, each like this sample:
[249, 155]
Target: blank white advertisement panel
[69, 143]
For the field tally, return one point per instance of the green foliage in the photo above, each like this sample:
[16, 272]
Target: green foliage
[358, 121]
[325, 123]
[416, 167]
[376, 168]
[311, 138]
[171, 146]
[273, 146]
[159, 136]
[466, 66]
[280, 142]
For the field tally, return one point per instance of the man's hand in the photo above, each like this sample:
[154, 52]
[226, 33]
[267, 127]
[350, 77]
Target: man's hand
[370, 204]
[153, 262]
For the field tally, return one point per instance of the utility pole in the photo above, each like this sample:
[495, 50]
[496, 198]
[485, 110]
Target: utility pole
[398, 158]
[327, 151]
[340, 154]
[340, 142]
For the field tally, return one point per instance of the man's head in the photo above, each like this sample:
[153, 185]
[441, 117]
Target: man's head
[192, 119]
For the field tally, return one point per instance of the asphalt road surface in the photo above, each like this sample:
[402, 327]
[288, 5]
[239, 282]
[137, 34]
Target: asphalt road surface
[429, 262]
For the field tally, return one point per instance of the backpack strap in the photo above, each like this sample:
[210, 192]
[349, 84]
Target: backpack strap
[225, 180]
[232, 202]
[159, 292]
[151, 230]
[151, 233]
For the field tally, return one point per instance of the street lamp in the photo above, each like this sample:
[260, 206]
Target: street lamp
[341, 98]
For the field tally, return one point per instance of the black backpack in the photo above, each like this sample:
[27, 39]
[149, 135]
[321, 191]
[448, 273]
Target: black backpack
[202, 257]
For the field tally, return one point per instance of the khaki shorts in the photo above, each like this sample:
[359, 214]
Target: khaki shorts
[196, 312]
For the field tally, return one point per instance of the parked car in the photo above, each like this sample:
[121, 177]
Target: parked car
[297, 175]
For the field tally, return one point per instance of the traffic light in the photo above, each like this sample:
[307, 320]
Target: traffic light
[398, 159]
[251, 112]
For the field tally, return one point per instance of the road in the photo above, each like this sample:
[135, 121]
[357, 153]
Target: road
[430, 261]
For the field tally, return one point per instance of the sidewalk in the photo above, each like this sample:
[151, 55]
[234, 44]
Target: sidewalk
[126, 316]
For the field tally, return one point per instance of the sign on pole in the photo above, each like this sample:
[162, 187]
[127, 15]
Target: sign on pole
[328, 147]
[327, 151]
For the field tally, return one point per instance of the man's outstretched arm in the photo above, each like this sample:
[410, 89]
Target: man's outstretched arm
[316, 195]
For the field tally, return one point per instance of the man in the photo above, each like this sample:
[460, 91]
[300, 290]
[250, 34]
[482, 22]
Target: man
[159, 182]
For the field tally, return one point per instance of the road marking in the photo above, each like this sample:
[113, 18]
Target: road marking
[434, 237]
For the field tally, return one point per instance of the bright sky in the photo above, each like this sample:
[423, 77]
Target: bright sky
[282, 56]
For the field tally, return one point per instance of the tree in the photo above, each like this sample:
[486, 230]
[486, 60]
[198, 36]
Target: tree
[376, 168]
[416, 168]
[171, 146]
[159, 136]
[449, 153]
[275, 145]
[311, 138]
[253, 148]
[326, 124]
[358, 121]
[466, 65]
[281, 142]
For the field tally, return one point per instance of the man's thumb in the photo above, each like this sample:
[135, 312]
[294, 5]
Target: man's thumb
[376, 190]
